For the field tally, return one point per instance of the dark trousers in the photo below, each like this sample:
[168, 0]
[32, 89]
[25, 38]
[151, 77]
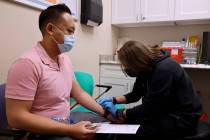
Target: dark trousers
[97, 137]
[47, 137]
[166, 128]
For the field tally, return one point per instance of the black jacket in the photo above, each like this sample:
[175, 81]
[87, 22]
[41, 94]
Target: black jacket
[167, 90]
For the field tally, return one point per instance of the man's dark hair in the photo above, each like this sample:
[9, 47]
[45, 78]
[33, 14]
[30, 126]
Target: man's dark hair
[51, 14]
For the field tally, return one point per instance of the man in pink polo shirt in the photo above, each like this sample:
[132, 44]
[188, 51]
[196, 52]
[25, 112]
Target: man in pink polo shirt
[40, 82]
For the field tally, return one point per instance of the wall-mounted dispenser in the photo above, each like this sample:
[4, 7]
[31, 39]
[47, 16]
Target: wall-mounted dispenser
[91, 12]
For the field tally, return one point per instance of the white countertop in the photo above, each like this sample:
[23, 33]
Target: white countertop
[196, 66]
[109, 62]
[191, 66]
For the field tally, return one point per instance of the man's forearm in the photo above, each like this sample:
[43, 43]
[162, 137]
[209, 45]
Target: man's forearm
[40, 125]
[87, 101]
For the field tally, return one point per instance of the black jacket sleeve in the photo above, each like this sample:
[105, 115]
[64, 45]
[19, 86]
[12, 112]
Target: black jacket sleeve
[138, 91]
[156, 98]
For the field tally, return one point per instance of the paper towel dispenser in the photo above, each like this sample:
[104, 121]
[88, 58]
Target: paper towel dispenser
[91, 12]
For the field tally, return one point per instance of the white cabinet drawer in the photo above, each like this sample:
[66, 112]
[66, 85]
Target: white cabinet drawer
[119, 86]
[112, 75]
[113, 71]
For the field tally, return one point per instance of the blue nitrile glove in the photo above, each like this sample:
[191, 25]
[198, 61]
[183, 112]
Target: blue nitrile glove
[105, 99]
[110, 107]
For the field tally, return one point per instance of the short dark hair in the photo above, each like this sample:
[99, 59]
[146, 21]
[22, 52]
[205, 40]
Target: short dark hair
[52, 14]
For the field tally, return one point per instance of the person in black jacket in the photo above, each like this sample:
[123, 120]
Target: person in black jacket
[170, 107]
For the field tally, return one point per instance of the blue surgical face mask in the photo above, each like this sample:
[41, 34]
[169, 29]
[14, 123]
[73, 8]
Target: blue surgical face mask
[67, 45]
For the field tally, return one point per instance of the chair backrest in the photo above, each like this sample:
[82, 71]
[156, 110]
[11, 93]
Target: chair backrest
[85, 81]
[3, 118]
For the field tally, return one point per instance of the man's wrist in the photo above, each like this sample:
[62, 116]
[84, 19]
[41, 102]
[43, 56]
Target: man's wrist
[105, 114]
[121, 114]
[124, 113]
[65, 129]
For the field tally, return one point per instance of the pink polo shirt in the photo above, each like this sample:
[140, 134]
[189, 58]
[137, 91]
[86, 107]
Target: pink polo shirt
[36, 77]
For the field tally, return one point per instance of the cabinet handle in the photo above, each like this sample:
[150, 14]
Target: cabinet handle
[137, 17]
[143, 17]
[127, 87]
[113, 84]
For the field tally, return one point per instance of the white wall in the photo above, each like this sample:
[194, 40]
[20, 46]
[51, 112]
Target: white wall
[91, 42]
[154, 35]
[19, 32]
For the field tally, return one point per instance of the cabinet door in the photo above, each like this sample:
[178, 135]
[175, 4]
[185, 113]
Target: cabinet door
[125, 11]
[192, 9]
[119, 86]
[157, 10]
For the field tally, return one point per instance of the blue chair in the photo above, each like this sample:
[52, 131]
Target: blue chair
[5, 131]
[3, 120]
[86, 82]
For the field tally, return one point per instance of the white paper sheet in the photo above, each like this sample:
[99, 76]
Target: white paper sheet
[117, 128]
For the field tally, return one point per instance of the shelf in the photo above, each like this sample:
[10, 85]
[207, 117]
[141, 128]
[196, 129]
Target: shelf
[195, 66]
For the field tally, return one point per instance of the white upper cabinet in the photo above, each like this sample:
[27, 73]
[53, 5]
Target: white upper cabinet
[136, 12]
[125, 11]
[192, 9]
[157, 10]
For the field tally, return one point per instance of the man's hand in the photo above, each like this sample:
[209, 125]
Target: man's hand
[83, 130]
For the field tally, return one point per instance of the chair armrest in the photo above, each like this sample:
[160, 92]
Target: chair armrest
[12, 133]
[104, 86]
[108, 87]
